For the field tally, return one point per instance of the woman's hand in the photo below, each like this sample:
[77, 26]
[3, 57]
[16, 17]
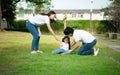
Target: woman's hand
[40, 34]
[57, 39]
[52, 32]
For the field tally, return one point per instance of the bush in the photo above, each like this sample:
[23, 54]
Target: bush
[56, 26]
[105, 26]
[79, 24]
[83, 24]
[102, 26]
[17, 29]
[21, 26]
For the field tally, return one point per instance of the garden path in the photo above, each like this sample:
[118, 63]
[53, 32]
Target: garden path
[110, 43]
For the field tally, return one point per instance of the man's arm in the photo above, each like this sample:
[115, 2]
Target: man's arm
[76, 45]
[73, 43]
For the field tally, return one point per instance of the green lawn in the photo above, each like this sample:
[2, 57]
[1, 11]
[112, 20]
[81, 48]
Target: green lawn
[15, 58]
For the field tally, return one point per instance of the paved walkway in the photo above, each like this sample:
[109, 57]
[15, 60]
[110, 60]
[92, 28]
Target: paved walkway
[109, 43]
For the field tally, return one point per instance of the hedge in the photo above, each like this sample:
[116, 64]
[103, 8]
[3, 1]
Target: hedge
[83, 24]
[21, 26]
[98, 26]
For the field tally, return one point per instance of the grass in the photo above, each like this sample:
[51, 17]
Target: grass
[15, 58]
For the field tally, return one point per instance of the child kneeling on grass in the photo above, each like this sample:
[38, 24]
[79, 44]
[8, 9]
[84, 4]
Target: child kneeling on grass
[65, 46]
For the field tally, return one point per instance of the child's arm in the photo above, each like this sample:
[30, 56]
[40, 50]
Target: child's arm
[60, 43]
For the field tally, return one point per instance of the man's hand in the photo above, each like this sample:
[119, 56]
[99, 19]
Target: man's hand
[68, 52]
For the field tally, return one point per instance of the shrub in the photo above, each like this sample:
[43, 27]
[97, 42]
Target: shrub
[21, 26]
[105, 26]
[102, 26]
[83, 24]
[56, 26]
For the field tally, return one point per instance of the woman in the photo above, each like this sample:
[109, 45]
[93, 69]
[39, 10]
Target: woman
[33, 25]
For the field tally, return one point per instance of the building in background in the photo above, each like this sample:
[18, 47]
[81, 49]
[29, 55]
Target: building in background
[24, 12]
[77, 14]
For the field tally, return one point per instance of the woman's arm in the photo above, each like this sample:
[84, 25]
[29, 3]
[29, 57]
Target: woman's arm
[52, 32]
[39, 32]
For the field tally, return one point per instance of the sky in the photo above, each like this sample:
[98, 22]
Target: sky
[79, 4]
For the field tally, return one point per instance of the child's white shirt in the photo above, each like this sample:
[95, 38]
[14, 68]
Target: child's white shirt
[65, 46]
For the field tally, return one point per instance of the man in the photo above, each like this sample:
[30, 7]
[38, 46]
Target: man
[87, 39]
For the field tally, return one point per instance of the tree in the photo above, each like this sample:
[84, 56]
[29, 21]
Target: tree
[7, 10]
[0, 14]
[8, 7]
[113, 13]
[40, 4]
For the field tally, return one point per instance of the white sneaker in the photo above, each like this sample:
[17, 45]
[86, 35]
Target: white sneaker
[33, 52]
[38, 51]
[96, 52]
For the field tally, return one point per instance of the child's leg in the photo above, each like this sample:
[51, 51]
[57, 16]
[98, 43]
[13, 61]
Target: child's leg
[58, 51]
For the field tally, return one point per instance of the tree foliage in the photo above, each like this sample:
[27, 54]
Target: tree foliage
[8, 7]
[40, 4]
[113, 13]
[8, 10]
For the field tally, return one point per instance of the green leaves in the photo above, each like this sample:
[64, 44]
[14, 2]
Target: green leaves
[112, 14]
[41, 4]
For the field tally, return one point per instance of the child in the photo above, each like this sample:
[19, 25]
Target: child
[65, 46]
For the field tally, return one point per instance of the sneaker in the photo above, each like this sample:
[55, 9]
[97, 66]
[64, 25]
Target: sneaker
[33, 52]
[38, 51]
[96, 52]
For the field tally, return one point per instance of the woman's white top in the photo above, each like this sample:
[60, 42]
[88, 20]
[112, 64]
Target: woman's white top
[39, 20]
[84, 36]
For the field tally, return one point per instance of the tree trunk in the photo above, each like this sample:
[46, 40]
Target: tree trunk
[0, 14]
[64, 21]
[65, 24]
